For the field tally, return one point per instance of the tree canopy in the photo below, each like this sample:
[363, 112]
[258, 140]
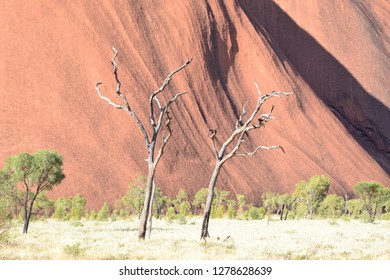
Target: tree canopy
[312, 192]
[28, 175]
[373, 196]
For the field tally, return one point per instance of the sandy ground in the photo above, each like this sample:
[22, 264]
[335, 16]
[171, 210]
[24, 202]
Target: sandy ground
[230, 239]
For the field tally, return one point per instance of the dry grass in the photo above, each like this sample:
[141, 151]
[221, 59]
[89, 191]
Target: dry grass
[303, 239]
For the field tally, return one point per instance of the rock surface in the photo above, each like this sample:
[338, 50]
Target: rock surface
[334, 58]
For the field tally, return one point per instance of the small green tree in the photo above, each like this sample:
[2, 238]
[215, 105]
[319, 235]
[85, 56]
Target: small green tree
[220, 203]
[286, 203]
[62, 208]
[6, 206]
[31, 175]
[254, 213]
[355, 207]
[270, 202]
[171, 213]
[92, 215]
[132, 202]
[185, 209]
[241, 203]
[160, 202]
[135, 195]
[231, 210]
[200, 200]
[373, 196]
[311, 193]
[77, 207]
[332, 206]
[181, 197]
[104, 213]
[43, 207]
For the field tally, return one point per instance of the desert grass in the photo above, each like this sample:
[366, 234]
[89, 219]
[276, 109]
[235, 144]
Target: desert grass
[230, 239]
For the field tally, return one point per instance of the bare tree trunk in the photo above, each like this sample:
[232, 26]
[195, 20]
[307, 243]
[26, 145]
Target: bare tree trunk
[281, 212]
[285, 216]
[27, 214]
[150, 224]
[289, 207]
[145, 209]
[209, 201]
[346, 205]
[26, 220]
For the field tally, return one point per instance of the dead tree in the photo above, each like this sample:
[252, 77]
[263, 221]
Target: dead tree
[234, 142]
[158, 119]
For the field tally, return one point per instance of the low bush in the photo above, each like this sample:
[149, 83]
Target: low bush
[104, 213]
[74, 250]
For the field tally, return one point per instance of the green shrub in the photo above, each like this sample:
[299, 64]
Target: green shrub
[182, 197]
[253, 213]
[261, 213]
[7, 204]
[385, 216]
[373, 196]
[355, 207]
[332, 206]
[312, 193]
[160, 203]
[63, 206]
[200, 200]
[132, 202]
[76, 223]
[5, 219]
[43, 207]
[185, 209]
[74, 250]
[171, 213]
[241, 203]
[104, 213]
[231, 210]
[271, 202]
[301, 210]
[217, 212]
[245, 215]
[182, 219]
[122, 214]
[92, 215]
[77, 207]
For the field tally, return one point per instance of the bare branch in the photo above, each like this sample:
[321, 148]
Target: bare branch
[165, 139]
[153, 96]
[123, 97]
[115, 68]
[174, 98]
[258, 148]
[244, 112]
[242, 130]
[106, 99]
[258, 89]
[158, 102]
[169, 78]
[212, 133]
[274, 94]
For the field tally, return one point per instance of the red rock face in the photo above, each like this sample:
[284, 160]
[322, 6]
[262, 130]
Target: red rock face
[334, 58]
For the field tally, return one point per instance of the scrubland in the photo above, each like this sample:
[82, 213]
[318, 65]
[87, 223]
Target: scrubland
[230, 239]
